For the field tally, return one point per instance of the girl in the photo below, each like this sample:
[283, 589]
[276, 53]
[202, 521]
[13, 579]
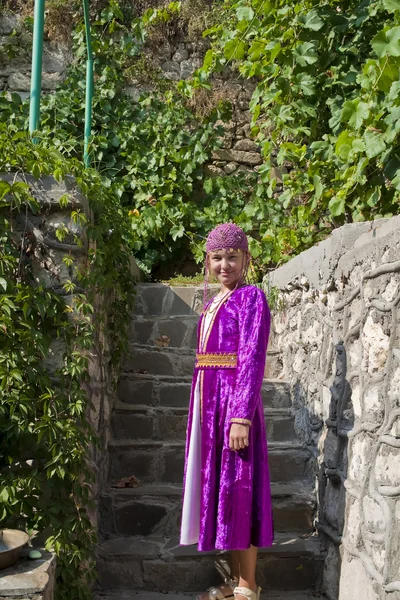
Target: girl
[227, 497]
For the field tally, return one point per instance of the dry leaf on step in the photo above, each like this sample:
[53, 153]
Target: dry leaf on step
[163, 341]
[127, 482]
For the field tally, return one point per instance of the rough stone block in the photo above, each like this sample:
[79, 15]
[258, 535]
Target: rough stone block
[173, 466]
[239, 156]
[189, 66]
[133, 426]
[138, 518]
[175, 329]
[172, 427]
[136, 392]
[140, 463]
[19, 81]
[247, 146]
[119, 574]
[175, 394]
[50, 81]
[191, 337]
[188, 575]
[273, 365]
[171, 75]
[230, 167]
[8, 23]
[288, 465]
[180, 55]
[280, 429]
[180, 301]
[183, 365]
[275, 395]
[152, 297]
[141, 331]
[150, 361]
[55, 58]
[170, 66]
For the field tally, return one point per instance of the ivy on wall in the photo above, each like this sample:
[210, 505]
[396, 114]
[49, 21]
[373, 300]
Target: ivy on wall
[325, 113]
[45, 480]
[153, 151]
[326, 104]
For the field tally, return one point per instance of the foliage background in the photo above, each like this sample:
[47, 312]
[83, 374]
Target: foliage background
[326, 107]
[46, 437]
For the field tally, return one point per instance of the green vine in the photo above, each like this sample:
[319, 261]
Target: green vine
[45, 478]
[325, 112]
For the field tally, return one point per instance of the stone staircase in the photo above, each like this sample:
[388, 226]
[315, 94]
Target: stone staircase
[140, 554]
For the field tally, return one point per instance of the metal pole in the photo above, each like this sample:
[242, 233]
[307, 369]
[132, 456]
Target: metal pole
[36, 75]
[89, 85]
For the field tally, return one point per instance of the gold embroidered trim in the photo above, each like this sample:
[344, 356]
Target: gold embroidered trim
[201, 396]
[220, 359]
[241, 421]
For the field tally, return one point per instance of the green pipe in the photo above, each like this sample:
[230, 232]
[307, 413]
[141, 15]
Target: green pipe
[36, 76]
[89, 85]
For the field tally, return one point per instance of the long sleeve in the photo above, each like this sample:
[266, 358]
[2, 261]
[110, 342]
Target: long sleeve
[254, 325]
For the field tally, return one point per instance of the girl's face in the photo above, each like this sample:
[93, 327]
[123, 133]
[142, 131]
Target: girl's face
[226, 265]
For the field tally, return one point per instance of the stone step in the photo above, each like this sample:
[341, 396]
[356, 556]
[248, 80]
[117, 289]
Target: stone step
[178, 332]
[143, 595]
[156, 510]
[158, 390]
[157, 299]
[169, 423]
[159, 565]
[162, 462]
[154, 360]
[175, 362]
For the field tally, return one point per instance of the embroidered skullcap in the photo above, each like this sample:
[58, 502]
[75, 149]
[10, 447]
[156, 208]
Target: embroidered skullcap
[227, 235]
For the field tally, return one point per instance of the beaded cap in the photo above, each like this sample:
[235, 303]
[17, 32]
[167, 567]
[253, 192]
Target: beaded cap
[227, 235]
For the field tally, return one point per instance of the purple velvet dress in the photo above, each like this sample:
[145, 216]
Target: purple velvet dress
[234, 506]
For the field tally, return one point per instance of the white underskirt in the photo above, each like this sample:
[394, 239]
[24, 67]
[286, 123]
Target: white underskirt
[190, 527]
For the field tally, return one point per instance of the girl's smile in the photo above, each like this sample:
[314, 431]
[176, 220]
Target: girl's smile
[226, 265]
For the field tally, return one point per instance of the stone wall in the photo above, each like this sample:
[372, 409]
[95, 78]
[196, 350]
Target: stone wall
[15, 73]
[338, 339]
[178, 59]
[44, 254]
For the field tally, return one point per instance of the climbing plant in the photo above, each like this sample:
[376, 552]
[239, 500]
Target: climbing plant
[45, 479]
[325, 115]
[326, 105]
[153, 150]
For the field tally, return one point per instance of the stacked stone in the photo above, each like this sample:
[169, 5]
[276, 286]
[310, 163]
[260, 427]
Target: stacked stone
[176, 61]
[15, 72]
[340, 337]
[141, 506]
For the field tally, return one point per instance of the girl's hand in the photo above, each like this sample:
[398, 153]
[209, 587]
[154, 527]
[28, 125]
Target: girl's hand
[238, 436]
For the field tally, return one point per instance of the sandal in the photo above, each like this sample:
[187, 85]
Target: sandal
[247, 593]
[219, 592]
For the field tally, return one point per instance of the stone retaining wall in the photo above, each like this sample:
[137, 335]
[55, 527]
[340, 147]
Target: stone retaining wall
[339, 339]
[15, 72]
[44, 254]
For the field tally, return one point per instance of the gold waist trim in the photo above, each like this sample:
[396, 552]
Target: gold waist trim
[216, 360]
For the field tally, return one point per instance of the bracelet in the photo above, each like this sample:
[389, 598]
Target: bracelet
[241, 422]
